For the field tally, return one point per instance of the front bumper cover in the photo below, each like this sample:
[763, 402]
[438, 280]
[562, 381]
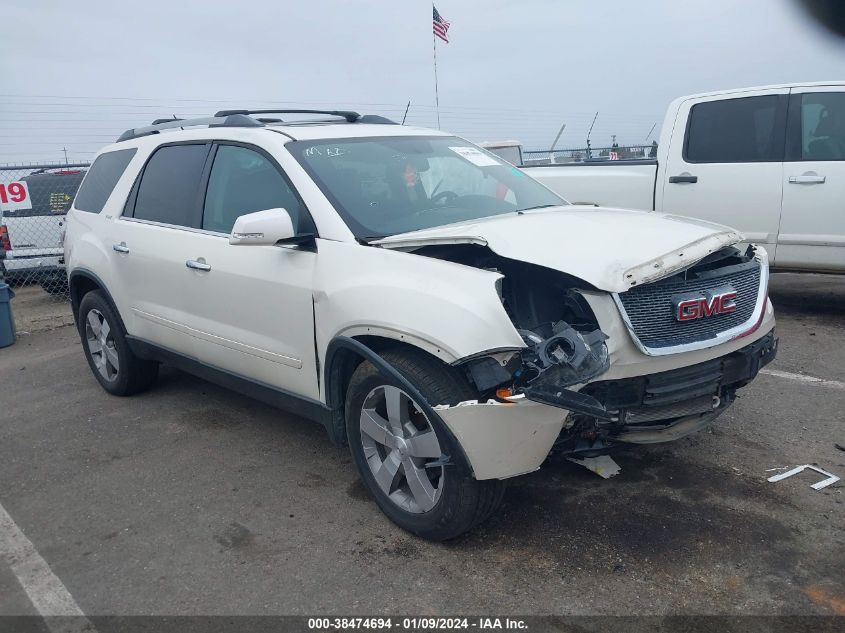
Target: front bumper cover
[505, 439]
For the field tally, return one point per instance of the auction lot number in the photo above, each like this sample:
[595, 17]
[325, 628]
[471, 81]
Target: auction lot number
[14, 196]
[416, 624]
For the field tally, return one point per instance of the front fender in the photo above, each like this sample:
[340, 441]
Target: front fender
[449, 310]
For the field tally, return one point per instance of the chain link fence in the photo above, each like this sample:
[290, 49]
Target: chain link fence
[34, 199]
[589, 154]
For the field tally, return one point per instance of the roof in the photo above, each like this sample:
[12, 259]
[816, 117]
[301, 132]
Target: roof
[349, 124]
[349, 130]
[804, 84]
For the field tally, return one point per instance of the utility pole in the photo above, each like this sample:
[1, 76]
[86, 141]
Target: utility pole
[552, 148]
[64, 149]
[589, 149]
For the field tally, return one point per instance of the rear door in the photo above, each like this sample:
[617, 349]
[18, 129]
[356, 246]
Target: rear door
[725, 165]
[149, 242]
[812, 230]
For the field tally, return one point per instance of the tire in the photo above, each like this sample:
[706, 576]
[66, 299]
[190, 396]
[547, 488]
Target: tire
[113, 364]
[459, 502]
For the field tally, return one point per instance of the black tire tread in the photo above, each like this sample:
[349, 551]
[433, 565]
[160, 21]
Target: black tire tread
[441, 384]
[138, 374]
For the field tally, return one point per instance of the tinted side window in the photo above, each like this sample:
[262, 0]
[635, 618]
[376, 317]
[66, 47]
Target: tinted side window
[101, 179]
[169, 186]
[243, 181]
[743, 130]
[823, 126]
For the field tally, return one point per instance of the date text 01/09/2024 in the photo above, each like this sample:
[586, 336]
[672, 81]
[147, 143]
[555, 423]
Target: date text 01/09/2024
[416, 623]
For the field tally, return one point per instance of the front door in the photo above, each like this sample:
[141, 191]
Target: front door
[251, 306]
[725, 166]
[812, 229]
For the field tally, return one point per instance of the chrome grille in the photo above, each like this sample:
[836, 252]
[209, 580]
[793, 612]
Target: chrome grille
[650, 313]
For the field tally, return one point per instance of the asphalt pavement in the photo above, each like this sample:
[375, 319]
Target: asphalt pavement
[191, 499]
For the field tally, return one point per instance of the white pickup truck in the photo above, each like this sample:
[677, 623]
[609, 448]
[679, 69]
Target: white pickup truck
[768, 161]
[32, 218]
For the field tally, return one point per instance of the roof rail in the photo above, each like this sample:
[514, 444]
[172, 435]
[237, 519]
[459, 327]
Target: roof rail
[234, 120]
[350, 116]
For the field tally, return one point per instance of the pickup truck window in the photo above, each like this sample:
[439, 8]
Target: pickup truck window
[821, 127]
[745, 130]
[387, 185]
[101, 179]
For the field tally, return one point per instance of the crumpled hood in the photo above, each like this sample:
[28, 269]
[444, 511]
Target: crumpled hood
[611, 249]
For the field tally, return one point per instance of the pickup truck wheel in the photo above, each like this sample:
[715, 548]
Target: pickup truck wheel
[113, 364]
[412, 464]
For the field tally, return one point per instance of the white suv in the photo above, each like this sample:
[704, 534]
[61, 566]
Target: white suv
[451, 319]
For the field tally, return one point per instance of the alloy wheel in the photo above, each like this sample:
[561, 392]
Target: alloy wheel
[401, 449]
[98, 335]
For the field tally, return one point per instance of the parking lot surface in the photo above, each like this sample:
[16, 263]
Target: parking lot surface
[191, 499]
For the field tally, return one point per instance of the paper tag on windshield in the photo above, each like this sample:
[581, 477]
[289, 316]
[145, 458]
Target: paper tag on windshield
[475, 156]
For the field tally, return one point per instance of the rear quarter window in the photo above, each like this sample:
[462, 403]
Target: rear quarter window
[101, 180]
[743, 130]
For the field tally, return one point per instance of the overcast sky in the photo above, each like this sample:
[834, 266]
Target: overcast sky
[75, 74]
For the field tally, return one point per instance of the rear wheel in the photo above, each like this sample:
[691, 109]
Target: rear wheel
[410, 462]
[112, 362]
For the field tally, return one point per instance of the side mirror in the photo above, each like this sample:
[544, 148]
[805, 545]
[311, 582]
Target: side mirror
[262, 228]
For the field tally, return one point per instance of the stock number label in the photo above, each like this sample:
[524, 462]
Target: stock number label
[14, 196]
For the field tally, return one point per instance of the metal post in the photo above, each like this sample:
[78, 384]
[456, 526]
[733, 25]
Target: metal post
[436, 91]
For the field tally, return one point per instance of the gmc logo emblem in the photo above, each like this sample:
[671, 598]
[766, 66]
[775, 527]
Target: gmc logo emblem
[718, 301]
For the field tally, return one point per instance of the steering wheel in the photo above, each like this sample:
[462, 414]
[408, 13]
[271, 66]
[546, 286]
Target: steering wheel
[446, 196]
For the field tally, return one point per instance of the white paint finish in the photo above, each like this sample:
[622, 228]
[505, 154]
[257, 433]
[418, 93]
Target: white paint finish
[262, 228]
[743, 195]
[610, 243]
[268, 313]
[36, 241]
[802, 225]
[450, 310]
[831, 478]
[150, 280]
[603, 465]
[252, 313]
[809, 380]
[504, 440]
[812, 226]
[43, 588]
[616, 185]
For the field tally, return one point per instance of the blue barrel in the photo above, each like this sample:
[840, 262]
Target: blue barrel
[7, 323]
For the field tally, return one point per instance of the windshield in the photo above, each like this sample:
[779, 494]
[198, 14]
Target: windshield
[388, 185]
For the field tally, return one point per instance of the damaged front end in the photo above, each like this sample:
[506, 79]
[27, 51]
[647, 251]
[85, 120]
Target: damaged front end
[566, 355]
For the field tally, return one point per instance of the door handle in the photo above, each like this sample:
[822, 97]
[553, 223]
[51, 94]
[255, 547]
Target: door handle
[807, 178]
[683, 178]
[198, 264]
[120, 248]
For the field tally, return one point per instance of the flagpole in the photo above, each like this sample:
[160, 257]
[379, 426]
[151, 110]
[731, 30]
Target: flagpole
[436, 91]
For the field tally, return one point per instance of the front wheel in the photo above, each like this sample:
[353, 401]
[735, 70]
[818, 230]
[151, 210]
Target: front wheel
[410, 462]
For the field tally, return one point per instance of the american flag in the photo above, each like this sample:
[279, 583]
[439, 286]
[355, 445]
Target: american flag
[441, 26]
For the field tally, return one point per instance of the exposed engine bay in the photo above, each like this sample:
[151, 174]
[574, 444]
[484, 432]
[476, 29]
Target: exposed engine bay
[566, 355]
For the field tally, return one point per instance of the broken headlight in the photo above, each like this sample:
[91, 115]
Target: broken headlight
[567, 357]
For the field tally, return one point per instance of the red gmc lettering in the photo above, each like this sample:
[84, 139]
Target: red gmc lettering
[692, 309]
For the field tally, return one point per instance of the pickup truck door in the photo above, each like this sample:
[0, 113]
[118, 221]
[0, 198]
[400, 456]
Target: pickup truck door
[725, 163]
[812, 228]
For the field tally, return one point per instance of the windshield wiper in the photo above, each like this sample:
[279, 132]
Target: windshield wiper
[539, 206]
